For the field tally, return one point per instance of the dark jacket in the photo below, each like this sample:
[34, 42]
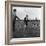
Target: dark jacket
[26, 21]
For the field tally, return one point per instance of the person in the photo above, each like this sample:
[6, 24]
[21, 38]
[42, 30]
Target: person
[26, 20]
[14, 20]
[26, 25]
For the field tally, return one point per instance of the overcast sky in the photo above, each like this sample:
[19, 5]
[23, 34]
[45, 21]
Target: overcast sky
[30, 11]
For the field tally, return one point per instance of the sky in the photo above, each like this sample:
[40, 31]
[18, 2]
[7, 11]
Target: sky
[32, 12]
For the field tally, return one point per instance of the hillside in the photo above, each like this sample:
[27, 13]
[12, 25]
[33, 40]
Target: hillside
[32, 30]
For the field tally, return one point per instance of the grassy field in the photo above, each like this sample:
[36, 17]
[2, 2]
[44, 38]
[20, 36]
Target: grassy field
[32, 30]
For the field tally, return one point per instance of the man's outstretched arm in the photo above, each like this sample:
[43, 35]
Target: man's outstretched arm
[17, 17]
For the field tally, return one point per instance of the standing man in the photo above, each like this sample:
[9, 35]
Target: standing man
[26, 24]
[14, 19]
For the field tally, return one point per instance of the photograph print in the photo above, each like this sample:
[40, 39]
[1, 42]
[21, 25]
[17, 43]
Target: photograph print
[26, 21]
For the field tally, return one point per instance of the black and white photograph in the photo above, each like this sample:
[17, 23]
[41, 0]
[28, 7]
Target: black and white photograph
[26, 22]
